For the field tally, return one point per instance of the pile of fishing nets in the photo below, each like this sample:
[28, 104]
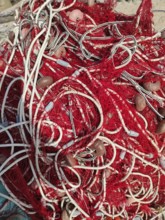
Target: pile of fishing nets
[82, 124]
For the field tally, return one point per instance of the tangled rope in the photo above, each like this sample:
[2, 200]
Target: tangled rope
[83, 112]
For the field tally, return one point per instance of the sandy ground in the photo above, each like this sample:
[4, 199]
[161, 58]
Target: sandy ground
[131, 7]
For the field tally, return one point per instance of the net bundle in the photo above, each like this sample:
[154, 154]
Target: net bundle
[82, 127]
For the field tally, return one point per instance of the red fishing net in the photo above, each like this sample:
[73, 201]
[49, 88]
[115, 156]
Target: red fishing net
[82, 112]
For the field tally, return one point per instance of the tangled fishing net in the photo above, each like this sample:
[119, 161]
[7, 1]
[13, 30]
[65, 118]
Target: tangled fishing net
[82, 100]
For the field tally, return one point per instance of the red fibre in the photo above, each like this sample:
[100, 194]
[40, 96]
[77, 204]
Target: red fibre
[91, 88]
